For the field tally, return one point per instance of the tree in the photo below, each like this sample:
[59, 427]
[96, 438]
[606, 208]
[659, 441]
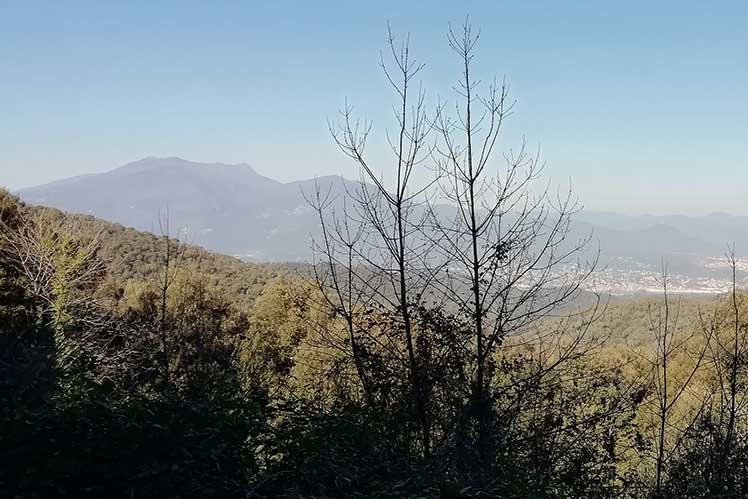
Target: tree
[462, 264]
[390, 246]
[712, 458]
[508, 263]
[337, 280]
[670, 345]
[60, 271]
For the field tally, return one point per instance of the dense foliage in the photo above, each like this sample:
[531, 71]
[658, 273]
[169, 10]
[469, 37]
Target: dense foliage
[153, 379]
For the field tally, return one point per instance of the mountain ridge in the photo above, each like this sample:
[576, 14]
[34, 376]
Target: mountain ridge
[232, 209]
[229, 208]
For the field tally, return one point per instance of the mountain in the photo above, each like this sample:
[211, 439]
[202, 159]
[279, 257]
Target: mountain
[227, 208]
[715, 229]
[234, 210]
[649, 243]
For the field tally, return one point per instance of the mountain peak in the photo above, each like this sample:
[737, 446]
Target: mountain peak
[174, 162]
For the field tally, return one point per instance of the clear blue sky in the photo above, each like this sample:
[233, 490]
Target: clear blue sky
[644, 105]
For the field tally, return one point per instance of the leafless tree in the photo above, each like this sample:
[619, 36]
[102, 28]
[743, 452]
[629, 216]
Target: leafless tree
[336, 277]
[58, 256]
[507, 255]
[170, 266]
[390, 217]
[62, 271]
[668, 344]
[60, 265]
[727, 360]
[733, 356]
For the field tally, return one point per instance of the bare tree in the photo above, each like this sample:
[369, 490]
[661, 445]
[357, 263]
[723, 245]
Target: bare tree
[336, 277]
[57, 254]
[733, 358]
[60, 265]
[508, 261]
[668, 343]
[390, 217]
[727, 360]
[170, 264]
[62, 271]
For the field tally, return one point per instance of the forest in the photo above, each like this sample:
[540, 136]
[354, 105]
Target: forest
[449, 349]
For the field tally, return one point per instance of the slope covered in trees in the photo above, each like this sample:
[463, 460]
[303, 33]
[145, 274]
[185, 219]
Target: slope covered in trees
[222, 392]
[133, 256]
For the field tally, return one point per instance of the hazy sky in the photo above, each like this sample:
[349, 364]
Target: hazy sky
[643, 106]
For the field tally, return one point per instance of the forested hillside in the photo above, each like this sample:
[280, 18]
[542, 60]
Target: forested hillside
[142, 367]
[132, 256]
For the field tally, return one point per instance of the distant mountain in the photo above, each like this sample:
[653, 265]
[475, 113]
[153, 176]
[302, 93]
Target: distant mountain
[716, 230]
[227, 208]
[649, 244]
[232, 209]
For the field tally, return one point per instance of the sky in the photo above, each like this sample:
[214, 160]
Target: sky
[642, 106]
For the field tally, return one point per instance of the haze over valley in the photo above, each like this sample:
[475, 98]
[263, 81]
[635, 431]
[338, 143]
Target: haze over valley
[233, 210]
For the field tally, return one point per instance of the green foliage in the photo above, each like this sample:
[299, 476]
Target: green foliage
[707, 465]
[105, 425]
[98, 446]
[14, 300]
[243, 383]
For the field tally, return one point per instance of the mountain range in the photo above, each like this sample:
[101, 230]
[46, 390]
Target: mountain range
[226, 208]
[234, 210]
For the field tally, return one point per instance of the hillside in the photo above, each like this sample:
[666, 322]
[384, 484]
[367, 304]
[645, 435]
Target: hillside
[133, 255]
[234, 356]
